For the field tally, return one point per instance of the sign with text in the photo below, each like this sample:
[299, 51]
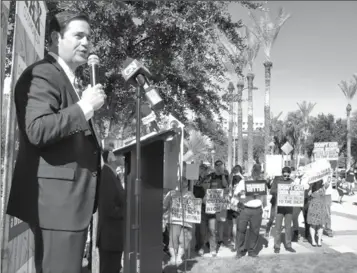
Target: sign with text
[316, 171]
[192, 171]
[190, 208]
[215, 200]
[255, 187]
[326, 150]
[290, 195]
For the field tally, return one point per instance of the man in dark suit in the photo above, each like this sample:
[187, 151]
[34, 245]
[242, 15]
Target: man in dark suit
[111, 210]
[54, 184]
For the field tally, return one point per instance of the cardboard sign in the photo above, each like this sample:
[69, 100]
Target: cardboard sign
[327, 150]
[189, 209]
[255, 188]
[290, 195]
[192, 171]
[215, 200]
[316, 171]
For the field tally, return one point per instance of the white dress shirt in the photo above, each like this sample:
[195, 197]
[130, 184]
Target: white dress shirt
[87, 109]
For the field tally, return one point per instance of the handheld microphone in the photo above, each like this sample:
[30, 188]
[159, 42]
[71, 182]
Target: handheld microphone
[93, 62]
[135, 73]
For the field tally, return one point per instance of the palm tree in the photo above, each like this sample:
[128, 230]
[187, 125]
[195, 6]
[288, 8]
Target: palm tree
[349, 90]
[267, 31]
[276, 127]
[240, 152]
[230, 126]
[251, 51]
[197, 146]
[305, 109]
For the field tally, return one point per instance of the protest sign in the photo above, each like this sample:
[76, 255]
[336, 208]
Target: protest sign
[274, 164]
[192, 171]
[326, 150]
[316, 171]
[290, 195]
[255, 188]
[189, 209]
[215, 200]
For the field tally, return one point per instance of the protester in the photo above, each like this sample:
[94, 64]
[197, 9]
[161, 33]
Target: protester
[297, 210]
[251, 214]
[342, 188]
[283, 213]
[55, 176]
[350, 179]
[272, 208]
[199, 192]
[328, 203]
[236, 177]
[316, 215]
[111, 211]
[217, 180]
[180, 231]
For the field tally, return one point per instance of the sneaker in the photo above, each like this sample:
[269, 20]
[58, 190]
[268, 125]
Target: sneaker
[253, 254]
[276, 250]
[201, 252]
[214, 254]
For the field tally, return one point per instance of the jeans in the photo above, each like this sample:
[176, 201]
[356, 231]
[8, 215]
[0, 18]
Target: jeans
[278, 225]
[304, 211]
[253, 217]
[271, 217]
[296, 213]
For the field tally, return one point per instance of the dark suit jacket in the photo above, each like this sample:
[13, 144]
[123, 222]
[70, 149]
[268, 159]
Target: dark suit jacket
[55, 176]
[111, 210]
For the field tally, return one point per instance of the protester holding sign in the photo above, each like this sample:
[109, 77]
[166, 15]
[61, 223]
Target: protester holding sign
[232, 214]
[199, 192]
[180, 231]
[283, 213]
[251, 214]
[317, 215]
[218, 180]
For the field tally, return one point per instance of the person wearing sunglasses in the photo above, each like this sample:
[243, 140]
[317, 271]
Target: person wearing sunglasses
[282, 213]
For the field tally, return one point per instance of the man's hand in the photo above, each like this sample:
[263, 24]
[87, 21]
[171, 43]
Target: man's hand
[94, 96]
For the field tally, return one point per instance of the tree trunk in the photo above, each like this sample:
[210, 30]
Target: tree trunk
[348, 108]
[230, 129]
[240, 152]
[268, 65]
[250, 78]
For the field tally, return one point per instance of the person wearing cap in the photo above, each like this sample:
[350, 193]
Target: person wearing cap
[216, 180]
[282, 213]
[54, 186]
[251, 212]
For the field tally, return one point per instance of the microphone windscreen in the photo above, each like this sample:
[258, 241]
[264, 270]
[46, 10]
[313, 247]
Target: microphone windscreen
[93, 59]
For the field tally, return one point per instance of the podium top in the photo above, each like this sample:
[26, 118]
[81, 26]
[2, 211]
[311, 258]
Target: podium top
[145, 140]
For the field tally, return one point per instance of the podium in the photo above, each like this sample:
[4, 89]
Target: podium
[150, 251]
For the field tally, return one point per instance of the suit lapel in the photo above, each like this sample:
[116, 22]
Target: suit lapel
[74, 95]
[69, 85]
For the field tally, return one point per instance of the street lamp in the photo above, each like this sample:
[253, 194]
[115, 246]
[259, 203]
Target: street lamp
[213, 152]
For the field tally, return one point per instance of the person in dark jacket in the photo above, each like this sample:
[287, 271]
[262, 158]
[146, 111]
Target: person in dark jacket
[282, 213]
[111, 209]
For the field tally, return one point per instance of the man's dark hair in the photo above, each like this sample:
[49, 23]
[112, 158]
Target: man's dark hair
[60, 21]
[286, 170]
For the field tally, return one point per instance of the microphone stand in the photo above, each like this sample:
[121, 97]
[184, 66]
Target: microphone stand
[137, 187]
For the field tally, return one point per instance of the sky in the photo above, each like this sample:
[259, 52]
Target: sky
[314, 51]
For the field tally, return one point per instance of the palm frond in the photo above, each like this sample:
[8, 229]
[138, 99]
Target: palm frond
[197, 143]
[268, 29]
[349, 90]
[253, 46]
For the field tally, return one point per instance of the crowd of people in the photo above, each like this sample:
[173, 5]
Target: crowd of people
[246, 211]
